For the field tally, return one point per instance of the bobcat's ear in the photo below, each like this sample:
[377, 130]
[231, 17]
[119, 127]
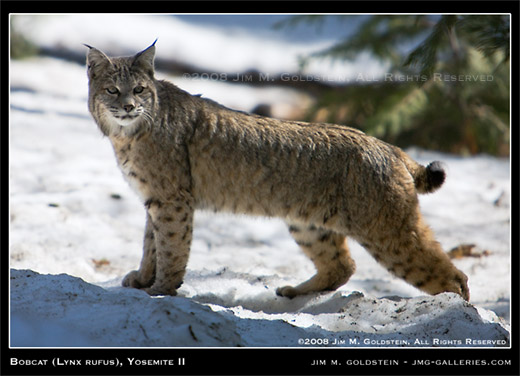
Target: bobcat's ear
[145, 59]
[96, 61]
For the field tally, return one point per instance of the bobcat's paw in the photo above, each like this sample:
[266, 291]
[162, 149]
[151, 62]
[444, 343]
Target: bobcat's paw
[136, 280]
[160, 290]
[287, 292]
[132, 280]
[459, 285]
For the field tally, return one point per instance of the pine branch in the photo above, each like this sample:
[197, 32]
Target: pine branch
[489, 34]
[425, 55]
[379, 35]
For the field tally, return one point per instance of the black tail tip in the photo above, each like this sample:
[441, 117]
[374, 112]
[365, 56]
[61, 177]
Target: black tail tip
[435, 175]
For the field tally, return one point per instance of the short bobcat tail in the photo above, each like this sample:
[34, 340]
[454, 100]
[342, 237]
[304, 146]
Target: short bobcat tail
[428, 179]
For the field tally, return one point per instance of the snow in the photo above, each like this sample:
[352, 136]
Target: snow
[76, 313]
[213, 47]
[76, 229]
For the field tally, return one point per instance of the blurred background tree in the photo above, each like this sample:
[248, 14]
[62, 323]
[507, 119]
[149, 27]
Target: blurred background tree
[447, 87]
[20, 47]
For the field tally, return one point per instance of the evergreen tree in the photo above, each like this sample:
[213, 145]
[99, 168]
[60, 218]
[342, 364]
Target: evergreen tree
[447, 87]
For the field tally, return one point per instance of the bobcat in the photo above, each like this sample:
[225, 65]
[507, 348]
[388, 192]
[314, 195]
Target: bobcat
[180, 152]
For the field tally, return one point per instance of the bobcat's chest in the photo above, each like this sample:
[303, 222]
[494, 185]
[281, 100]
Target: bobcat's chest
[147, 169]
[136, 179]
[134, 170]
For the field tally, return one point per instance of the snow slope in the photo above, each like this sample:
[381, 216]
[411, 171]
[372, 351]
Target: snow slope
[74, 313]
[72, 212]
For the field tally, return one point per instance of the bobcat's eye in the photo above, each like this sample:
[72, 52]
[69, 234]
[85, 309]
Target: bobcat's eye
[112, 90]
[138, 89]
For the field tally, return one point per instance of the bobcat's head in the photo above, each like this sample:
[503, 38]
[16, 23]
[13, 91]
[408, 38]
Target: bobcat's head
[122, 92]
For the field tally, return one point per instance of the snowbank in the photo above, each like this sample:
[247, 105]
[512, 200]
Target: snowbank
[64, 311]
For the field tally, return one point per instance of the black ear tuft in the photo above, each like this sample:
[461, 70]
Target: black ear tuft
[145, 59]
[96, 61]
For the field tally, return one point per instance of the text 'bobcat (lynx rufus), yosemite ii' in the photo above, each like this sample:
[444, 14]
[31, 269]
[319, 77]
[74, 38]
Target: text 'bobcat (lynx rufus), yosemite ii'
[181, 152]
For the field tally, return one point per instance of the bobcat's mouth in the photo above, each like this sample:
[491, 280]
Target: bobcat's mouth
[126, 117]
[125, 120]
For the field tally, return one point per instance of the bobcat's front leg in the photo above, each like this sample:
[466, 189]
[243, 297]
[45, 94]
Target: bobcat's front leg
[172, 224]
[145, 276]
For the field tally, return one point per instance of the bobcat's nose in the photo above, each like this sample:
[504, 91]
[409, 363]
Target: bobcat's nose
[128, 107]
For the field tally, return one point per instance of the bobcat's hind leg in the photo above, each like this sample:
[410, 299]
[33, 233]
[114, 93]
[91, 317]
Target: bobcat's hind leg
[145, 276]
[329, 252]
[413, 255]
